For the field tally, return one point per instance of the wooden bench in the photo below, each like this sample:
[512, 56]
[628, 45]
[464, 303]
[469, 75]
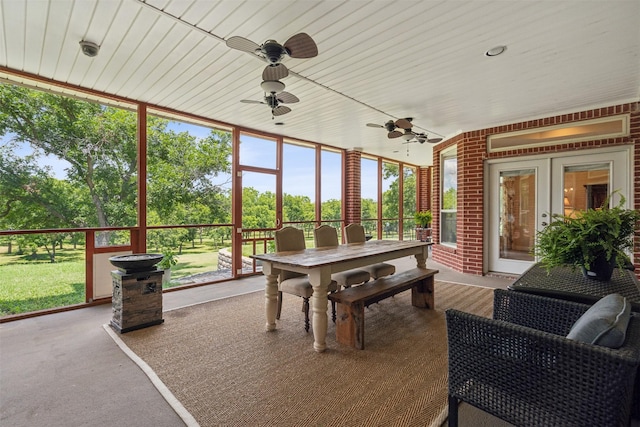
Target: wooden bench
[351, 302]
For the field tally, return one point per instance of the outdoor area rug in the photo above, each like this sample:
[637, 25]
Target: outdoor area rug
[217, 365]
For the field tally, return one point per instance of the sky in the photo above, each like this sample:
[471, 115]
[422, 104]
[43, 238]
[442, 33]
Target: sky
[23, 149]
[299, 165]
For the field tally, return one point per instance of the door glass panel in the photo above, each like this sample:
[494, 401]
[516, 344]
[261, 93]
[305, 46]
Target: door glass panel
[258, 200]
[585, 187]
[258, 217]
[517, 214]
[257, 151]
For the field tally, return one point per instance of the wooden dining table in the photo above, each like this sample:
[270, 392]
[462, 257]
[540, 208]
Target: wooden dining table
[320, 264]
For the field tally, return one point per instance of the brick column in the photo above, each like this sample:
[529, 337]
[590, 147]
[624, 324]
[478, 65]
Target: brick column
[424, 189]
[352, 179]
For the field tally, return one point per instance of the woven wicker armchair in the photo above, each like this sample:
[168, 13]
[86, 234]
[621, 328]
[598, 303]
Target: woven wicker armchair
[519, 366]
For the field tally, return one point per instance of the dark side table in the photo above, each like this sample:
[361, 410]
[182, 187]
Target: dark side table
[567, 284]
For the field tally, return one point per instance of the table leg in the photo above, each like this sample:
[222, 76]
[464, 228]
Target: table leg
[320, 280]
[421, 258]
[271, 295]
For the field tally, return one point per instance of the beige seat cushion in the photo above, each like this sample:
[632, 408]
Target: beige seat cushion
[300, 286]
[380, 270]
[351, 277]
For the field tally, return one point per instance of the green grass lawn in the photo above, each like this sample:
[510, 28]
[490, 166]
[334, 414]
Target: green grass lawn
[30, 284]
[31, 287]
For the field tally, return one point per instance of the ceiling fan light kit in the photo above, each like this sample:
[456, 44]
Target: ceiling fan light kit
[272, 86]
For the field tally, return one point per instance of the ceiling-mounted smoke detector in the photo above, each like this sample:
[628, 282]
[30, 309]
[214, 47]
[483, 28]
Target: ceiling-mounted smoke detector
[90, 49]
[495, 51]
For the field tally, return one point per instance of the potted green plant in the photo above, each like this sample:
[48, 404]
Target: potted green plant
[168, 261]
[595, 240]
[423, 220]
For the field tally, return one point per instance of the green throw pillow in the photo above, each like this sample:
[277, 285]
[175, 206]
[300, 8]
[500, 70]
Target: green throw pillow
[605, 323]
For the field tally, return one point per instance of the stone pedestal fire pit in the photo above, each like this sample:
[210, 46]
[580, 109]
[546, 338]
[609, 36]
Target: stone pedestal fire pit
[137, 291]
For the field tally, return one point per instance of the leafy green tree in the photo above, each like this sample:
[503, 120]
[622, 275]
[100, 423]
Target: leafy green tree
[182, 174]
[98, 145]
[391, 197]
[331, 209]
[450, 199]
[409, 193]
[297, 208]
[258, 209]
[369, 209]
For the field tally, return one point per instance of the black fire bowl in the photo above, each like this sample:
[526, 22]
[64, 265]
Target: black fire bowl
[136, 262]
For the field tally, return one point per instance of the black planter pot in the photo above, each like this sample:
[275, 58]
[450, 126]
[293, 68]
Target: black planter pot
[601, 269]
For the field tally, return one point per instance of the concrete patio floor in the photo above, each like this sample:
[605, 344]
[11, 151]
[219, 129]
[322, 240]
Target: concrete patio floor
[63, 369]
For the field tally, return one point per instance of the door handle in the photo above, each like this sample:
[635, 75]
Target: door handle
[544, 224]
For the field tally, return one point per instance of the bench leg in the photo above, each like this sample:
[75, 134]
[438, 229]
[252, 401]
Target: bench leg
[422, 294]
[350, 325]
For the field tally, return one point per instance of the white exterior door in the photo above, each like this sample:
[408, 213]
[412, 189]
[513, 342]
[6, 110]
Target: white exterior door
[518, 205]
[524, 194]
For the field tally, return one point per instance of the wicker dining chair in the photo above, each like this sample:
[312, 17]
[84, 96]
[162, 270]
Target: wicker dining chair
[354, 233]
[292, 239]
[521, 367]
[327, 236]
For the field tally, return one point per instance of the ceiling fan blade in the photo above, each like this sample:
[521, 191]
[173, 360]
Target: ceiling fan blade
[403, 124]
[434, 140]
[280, 110]
[373, 125]
[287, 98]
[395, 134]
[275, 72]
[301, 46]
[251, 101]
[240, 43]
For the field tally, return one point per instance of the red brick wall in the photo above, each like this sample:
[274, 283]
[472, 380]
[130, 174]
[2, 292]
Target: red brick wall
[424, 188]
[353, 197]
[444, 254]
[467, 257]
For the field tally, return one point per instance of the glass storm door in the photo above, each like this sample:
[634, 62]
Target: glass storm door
[257, 194]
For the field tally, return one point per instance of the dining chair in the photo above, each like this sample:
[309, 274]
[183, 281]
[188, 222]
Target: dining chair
[354, 233]
[292, 239]
[327, 236]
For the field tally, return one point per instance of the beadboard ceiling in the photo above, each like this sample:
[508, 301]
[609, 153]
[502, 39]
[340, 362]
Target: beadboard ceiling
[378, 60]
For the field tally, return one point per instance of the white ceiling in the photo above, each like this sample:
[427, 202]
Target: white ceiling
[378, 60]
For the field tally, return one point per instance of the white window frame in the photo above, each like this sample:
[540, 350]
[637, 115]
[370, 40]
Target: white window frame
[451, 153]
